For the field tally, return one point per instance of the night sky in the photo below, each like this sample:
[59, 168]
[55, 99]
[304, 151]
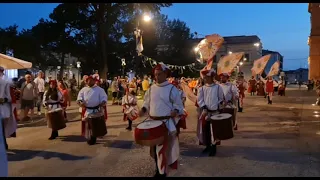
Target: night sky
[281, 27]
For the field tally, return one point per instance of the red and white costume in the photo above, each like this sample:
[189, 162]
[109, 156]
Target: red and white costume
[210, 98]
[92, 98]
[242, 86]
[269, 85]
[159, 101]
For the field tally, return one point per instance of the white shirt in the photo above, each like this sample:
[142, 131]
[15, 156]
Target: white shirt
[210, 96]
[230, 91]
[5, 111]
[92, 97]
[52, 106]
[161, 99]
[3, 155]
[39, 84]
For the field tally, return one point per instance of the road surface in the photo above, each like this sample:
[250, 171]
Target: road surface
[281, 139]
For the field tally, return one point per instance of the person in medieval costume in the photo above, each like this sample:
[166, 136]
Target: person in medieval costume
[9, 123]
[252, 86]
[92, 99]
[269, 86]
[52, 99]
[211, 101]
[3, 152]
[231, 95]
[260, 88]
[162, 101]
[130, 108]
[181, 121]
[242, 86]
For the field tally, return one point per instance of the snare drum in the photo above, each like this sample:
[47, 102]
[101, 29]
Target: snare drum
[222, 126]
[56, 119]
[97, 124]
[132, 112]
[150, 133]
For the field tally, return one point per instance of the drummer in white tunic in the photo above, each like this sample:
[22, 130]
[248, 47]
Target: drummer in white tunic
[92, 99]
[210, 100]
[163, 102]
[9, 124]
[231, 94]
[52, 99]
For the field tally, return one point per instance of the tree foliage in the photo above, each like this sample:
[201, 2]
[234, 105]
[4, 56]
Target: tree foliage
[99, 35]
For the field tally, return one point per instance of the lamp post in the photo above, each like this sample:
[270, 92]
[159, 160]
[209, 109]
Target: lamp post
[78, 67]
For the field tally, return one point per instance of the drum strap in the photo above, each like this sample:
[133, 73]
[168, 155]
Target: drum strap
[218, 90]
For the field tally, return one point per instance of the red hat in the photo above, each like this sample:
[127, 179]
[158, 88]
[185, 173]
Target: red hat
[89, 78]
[54, 82]
[162, 67]
[210, 72]
[225, 75]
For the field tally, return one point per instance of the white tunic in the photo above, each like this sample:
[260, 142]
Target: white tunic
[160, 102]
[230, 91]
[52, 106]
[210, 96]
[5, 108]
[92, 97]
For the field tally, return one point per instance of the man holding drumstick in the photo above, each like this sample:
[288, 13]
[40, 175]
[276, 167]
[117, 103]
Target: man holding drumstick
[210, 100]
[162, 101]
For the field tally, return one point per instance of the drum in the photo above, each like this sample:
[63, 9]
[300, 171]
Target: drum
[132, 112]
[97, 124]
[222, 126]
[56, 119]
[150, 133]
[231, 110]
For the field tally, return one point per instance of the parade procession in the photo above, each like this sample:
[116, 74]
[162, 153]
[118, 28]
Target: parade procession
[224, 110]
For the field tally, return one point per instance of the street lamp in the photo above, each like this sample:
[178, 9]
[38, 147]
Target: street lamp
[256, 44]
[241, 63]
[230, 52]
[123, 64]
[146, 17]
[78, 67]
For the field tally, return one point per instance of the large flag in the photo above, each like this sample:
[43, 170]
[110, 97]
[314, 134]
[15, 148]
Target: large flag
[228, 63]
[139, 45]
[274, 69]
[208, 47]
[260, 64]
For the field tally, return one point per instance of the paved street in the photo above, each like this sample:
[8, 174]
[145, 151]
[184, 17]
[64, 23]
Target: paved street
[281, 139]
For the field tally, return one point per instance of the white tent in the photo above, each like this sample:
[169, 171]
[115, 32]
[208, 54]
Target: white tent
[9, 62]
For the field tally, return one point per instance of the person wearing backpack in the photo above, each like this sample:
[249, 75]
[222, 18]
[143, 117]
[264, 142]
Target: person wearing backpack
[29, 94]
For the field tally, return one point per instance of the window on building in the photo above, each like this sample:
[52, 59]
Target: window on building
[246, 57]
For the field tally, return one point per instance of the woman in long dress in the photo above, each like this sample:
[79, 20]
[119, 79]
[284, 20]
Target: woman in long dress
[52, 100]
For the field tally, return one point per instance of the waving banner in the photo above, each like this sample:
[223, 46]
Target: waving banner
[228, 63]
[208, 47]
[274, 69]
[260, 64]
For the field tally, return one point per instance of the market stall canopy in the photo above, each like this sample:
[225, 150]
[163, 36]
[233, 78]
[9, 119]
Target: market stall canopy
[9, 62]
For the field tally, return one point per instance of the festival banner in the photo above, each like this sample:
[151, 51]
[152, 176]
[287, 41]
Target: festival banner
[274, 69]
[208, 47]
[228, 63]
[260, 64]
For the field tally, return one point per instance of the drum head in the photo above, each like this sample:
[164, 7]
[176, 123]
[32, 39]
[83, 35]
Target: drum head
[221, 116]
[148, 124]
